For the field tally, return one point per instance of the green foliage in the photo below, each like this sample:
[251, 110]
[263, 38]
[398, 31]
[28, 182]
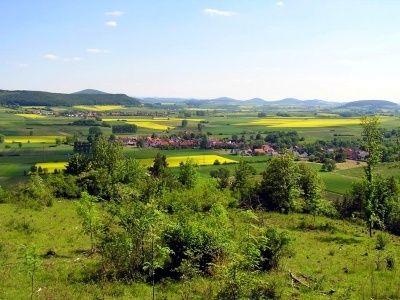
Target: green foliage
[35, 193]
[36, 98]
[4, 195]
[372, 142]
[201, 243]
[159, 165]
[223, 177]
[266, 251]
[129, 239]
[1, 139]
[243, 184]
[106, 154]
[77, 164]
[279, 187]
[86, 209]
[311, 188]
[184, 123]
[188, 174]
[32, 263]
[125, 128]
[381, 241]
[63, 186]
[328, 165]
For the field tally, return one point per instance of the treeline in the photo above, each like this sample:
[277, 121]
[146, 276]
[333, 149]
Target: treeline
[37, 98]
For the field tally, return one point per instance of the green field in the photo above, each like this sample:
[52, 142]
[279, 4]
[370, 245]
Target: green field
[334, 259]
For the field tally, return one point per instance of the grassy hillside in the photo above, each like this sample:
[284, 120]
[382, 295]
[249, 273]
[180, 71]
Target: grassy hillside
[331, 256]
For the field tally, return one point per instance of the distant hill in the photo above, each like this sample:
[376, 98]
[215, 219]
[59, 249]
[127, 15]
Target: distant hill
[37, 98]
[90, 92]
[224, 101]
[371, 104]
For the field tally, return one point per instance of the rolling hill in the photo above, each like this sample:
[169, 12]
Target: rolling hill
[371, 104]
[38, 98]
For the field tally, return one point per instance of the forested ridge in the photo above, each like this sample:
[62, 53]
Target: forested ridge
[38, 98]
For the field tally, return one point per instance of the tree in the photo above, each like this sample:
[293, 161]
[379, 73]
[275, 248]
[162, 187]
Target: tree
[279, 185]
[188, 174]
[77, 164]
[222, 175]
[311, 188]
[159, 165]
[87, 211]
[32, 263]
[243, 182]
[94, 133]
[204, 142]
[328, 165]
[184, 123]
[106, 154]
[372, 142]
[2, 139]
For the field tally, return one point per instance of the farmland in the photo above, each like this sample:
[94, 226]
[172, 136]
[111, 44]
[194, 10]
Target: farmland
[43, 139]
[303, 122]
[31, 116]
[99, 107]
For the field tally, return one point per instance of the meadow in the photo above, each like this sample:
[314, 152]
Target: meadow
[337, 259]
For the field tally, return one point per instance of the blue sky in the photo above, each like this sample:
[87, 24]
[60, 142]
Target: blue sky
[335, 50]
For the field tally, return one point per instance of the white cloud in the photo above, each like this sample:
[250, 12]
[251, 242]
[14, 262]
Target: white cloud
[280, 3]
[115, 13]
[76, 58]
[217, 12]
[111, 23]
[51, 56]
[96, 50]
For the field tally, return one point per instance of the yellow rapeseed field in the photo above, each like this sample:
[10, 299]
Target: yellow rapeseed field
[209, 159]
[157, 119]
[39, 139]
[150, 125]
[51, 166]
[31, 116]
[173, 161]
[303, 122]
[99, 107]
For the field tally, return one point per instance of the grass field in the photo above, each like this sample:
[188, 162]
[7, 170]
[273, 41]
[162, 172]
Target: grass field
[303, 122]
[42, 139]
[342, 259]
[31, 116]
[99, 107]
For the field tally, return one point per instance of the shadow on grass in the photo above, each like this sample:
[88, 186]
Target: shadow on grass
[339, 240]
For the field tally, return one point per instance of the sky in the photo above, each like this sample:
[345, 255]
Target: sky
[308, 49]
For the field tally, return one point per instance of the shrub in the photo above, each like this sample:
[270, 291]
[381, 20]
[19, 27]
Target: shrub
[202, 243]
[264, 291]
[381, 241]
[266, 251]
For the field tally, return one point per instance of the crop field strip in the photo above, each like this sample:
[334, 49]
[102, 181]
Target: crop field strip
[42, 139]
[99, 107]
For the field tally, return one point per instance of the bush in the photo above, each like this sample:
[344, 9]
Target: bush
[265, 292]
[266, 251]
[200, 243]
[381, 241]
[35, 193]
[64, 186]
